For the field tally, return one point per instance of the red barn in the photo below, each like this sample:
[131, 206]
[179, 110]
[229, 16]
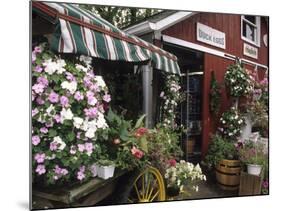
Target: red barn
[206, 43]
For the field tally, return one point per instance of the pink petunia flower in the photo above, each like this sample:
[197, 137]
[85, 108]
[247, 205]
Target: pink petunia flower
[44, 130]
[38, 69]
[53, 97]
[81, 147]
[107, 98]
[40, 157]
[35, 140]
[43, 80]
[78, 96]
[38, 88]
[91, 112]
[64, 101]
[40, 169]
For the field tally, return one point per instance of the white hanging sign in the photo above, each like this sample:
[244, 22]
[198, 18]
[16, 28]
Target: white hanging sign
[210, 36]
[250, 51]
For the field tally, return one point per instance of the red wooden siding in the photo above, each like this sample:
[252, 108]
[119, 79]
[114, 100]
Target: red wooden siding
[227, 23]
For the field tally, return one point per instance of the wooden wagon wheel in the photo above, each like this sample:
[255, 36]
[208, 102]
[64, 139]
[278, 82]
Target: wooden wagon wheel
[147, 187]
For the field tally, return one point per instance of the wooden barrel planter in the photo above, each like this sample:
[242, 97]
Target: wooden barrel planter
[228, 174]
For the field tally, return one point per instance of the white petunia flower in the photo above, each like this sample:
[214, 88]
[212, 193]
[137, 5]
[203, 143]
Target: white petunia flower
[100, 81]
[50, 109]
[77, 122]
[71, 86]
[60, 66]
[50, 66]
[59, 141]
[91, 132]
[66, 114]
[81, 68]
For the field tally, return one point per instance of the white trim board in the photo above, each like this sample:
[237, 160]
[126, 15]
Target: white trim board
[146, 26]
[198, 47]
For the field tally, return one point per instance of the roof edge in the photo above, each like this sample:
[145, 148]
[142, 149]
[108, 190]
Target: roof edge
[147, 26]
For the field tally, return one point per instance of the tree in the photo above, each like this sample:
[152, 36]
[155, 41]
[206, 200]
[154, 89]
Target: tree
[121, 16]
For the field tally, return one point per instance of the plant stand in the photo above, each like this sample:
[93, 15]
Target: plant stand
[250, 184]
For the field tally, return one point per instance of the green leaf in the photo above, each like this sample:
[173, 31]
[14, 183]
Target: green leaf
[71, 136]
[140, 121]
[52, 133]
[143, 144]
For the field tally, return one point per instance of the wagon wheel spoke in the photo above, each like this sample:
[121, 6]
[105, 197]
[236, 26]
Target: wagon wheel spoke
[156, 194]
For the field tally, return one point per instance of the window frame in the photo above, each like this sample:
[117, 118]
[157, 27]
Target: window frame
[257, 26]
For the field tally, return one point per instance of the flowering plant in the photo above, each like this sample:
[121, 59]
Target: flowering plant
[183, 174]
[163, 145]
[171, 96]
[253, 150]
[125, 144]
[231, 122]
[68, 106]
[238, 80]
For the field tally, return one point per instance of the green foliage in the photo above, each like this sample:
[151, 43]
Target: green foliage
[215, 95]
[219, 149]
[163, 145]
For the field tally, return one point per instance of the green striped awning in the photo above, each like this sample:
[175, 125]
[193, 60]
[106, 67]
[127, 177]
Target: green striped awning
[80, 31]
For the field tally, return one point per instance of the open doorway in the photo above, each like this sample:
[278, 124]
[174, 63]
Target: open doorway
[190, 111]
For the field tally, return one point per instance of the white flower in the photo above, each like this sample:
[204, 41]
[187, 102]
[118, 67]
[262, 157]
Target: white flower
[60, 66]
[85, 125]
[86, 59]
[236, 117]
[71, 86]
[66, 114]
[100, 82]
[50, 67]
[91, 132]
[50, 109]
[101, 123]
[77, 122]
[51, 158]
[59, 141]
[223, 122]
[81, 68]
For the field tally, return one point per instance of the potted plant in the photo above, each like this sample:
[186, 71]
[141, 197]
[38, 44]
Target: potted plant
[222, 156]
[105, 169]
[253, 153]
[237, 80]
[180, 174]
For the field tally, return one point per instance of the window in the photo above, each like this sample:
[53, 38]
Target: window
[250, 29]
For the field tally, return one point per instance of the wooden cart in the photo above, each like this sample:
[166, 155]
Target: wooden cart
[124, 187]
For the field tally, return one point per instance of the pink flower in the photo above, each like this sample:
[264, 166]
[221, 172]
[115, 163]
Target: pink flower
[37, 49]
[80, 175]
[38, 69]
[69, 76]
[91, 98]
[53, 97]
[40, 169]
[44, 130]
[53, 146]
[49, 124]
[64, 101]
[81, 147]
[140, 132]
[34, 112]
[40, 157]
[33, 57]
[172, 162]
[35, 140]
[107, 98]
[89, 148]
[162, 94]
[136, 152]
[38, 88]
[78, 96]
[40, 101]
[91, 112]
[42, 80]
[57, 118]
[265, 184]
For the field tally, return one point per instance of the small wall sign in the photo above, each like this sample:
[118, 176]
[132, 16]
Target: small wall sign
[250, 51]
[210, 36]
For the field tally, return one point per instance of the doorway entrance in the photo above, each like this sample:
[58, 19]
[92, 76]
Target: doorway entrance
[191, 64]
